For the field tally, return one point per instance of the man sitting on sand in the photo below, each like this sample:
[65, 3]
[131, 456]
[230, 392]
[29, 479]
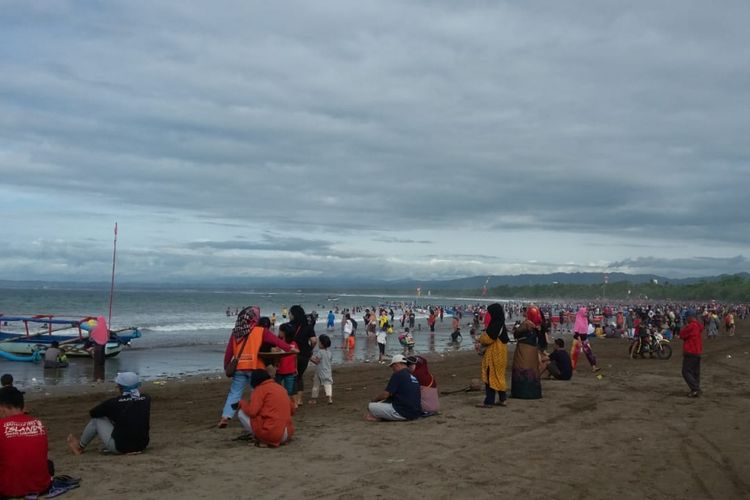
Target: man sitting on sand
[558, 364]
[24, 468]
[122, 423]
[401, 399]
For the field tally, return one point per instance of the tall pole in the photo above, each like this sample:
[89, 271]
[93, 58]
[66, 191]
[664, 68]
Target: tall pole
[112, 285]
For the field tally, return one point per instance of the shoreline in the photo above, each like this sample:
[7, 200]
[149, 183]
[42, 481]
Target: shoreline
[588, 437]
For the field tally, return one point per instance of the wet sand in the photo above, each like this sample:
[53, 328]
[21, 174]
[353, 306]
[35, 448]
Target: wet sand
[158, 362]
[631, 434]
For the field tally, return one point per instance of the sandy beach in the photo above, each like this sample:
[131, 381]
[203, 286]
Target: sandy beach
[630, 434]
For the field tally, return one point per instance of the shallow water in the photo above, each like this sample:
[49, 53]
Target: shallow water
[185, 332]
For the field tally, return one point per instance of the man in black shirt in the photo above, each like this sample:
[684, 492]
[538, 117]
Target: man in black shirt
[559, 365]
[122, 423]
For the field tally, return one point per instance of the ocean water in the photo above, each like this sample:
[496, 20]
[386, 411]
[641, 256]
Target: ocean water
[185, 331]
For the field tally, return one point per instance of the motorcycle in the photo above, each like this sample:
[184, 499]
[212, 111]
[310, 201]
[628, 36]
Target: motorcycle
[655, 344]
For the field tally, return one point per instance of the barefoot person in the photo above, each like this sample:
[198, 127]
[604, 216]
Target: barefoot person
[401, 399]
[580, 342]
[24, 468]
[121, 423]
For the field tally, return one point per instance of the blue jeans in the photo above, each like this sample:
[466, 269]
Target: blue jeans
[240, 380]
[288, 382]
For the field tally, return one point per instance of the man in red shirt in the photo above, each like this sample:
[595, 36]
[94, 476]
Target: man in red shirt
[692, 348]
[24, 468]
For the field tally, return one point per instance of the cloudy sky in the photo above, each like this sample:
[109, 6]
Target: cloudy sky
[373, 138]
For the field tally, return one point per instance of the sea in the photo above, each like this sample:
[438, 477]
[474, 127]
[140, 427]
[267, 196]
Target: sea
[185, 331]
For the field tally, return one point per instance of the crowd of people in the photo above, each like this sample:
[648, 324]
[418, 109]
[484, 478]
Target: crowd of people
[271, 368]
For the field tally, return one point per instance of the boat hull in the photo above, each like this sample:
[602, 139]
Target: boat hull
[26, 346]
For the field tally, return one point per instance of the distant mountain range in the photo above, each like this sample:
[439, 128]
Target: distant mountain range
[369, 284]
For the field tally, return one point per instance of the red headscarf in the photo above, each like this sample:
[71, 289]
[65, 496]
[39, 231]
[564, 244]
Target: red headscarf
[422, 374]
[533, 315]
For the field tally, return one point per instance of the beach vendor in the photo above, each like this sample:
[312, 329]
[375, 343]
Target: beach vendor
[122, 423]
[241, 356]
[494, 340]
[401, 399]
[24, 467]
[427, 384]
[692, 348]
[268, 413]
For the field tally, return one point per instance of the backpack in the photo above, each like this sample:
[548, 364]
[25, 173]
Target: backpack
[354, 324]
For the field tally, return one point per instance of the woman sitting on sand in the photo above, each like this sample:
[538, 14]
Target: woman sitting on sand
[525, 377]
[268, 414]
[427, 384]
[495, 358]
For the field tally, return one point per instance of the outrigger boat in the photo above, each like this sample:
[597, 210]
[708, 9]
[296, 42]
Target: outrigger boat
[20, 341]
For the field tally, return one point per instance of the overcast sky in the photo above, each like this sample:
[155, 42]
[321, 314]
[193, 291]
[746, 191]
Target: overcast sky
[373, 138]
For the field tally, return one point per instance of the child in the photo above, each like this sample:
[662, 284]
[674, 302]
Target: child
[382, 335]
[407, 341]
[286, 374]
[323, 373]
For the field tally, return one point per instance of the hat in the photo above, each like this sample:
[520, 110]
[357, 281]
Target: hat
[127, 379]
[397, 358]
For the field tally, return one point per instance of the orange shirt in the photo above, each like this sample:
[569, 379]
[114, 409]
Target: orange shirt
[270, 410]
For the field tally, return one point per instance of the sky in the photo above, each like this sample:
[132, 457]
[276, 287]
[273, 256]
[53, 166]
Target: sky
[373, 139]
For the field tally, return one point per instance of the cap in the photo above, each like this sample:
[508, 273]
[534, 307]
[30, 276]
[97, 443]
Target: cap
[397, 358]
[127, 379]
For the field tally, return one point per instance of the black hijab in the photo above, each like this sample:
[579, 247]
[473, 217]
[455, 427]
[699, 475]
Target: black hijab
[496, 327]
[257, 377]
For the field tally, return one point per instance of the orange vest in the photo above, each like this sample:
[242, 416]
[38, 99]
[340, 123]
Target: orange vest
[248, 358]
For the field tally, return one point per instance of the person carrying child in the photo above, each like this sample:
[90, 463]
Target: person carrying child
[323, 371]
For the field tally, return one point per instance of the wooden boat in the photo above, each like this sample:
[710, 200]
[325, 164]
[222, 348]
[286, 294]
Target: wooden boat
[22, 337]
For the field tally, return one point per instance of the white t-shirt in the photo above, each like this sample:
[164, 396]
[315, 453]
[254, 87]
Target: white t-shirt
[382, 335]
[348, 327]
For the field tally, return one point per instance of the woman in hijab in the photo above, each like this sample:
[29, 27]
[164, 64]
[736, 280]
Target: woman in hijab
[427, 384]
[580, 342]
[242, 349]
[304, 336]
[526, 382]
[494, 339]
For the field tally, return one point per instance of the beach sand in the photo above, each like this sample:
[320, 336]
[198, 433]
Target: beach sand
[631, 434]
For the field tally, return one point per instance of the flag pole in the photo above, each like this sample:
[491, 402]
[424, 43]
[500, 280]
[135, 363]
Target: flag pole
[112, 285]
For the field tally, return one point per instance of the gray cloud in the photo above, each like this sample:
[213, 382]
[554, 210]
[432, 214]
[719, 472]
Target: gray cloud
[362, 134]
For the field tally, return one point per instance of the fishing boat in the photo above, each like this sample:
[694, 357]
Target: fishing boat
[23, 338]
